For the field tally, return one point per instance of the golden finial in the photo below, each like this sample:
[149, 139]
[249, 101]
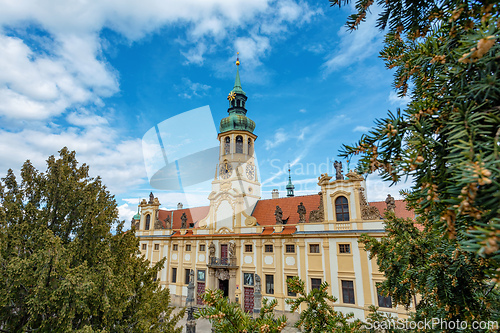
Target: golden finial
[237, 59]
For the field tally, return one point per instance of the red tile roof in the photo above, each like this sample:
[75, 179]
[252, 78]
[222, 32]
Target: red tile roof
[193, 215]
[264, 210]
[400, 210]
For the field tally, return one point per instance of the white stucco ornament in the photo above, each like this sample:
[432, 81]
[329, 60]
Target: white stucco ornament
[268, 260]
[290, 261]
[187, 257]
[201, 257]
[248, 260]
[174, 256]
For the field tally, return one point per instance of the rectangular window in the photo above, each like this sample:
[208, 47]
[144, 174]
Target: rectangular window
[144, 246]
[188, 247]
[174, 275]
[314, 248]
[248, 248]
[186, 276]
[344, 248]
[269, 284]
[288, 291]
[290, 248]
[348, 292]
[157, 247]
[176, 247]
[202, 247]
[315, 283]
[269, 248]
[384, 301]
[248, 279]
[201, 275]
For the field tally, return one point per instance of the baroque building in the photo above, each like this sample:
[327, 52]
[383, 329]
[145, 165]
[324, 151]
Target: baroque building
[248, 247]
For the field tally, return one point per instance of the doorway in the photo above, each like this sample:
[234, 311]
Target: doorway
[224, 286]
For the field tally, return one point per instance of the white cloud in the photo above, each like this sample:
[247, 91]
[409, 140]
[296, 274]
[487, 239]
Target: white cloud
[126, 212]
[38, 86]
[361, 129]
[252, 49]
[118, 162]
[193, 89]
[84, 118]
[279, 137]
[195, 55]
[302, 110]
[377, 189]
[355, 46]
[398, 101]
[70, 70]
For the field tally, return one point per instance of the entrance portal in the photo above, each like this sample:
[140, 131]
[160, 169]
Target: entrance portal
[224, 286]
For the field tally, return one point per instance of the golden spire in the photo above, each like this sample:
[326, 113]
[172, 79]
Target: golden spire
[237, 59]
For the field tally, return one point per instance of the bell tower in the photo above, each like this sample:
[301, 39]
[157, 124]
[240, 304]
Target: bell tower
[236, 188]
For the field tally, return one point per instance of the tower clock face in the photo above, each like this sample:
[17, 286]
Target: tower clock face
[250, 172]
[225, 170]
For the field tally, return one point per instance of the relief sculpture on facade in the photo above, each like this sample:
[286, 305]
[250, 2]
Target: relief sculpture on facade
[319, 214]
[367, 212]
[158, 223]
[222, 274]
[278, 213]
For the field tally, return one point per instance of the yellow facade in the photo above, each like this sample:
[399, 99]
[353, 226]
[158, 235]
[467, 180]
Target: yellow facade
[247, 244]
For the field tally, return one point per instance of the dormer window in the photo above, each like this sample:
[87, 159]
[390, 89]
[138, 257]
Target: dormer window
[342, 209]
[148, 222]
[239, 144]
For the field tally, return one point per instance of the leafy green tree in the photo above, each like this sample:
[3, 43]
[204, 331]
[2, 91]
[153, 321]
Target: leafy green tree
[443, 280]
[61, 268]
[227, 317]
[380, 322]
[445, 59]
[444, 55]
[319, 315]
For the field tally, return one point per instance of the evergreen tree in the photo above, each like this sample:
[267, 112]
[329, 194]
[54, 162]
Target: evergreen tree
[319, 315]
[227, 317]
[445, 57]
[443, 280]
[61, 268]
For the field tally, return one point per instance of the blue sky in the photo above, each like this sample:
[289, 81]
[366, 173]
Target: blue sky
[96, 76]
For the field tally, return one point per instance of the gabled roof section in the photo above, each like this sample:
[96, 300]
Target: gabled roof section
[400, 210]
[264, 210]
[193, 215]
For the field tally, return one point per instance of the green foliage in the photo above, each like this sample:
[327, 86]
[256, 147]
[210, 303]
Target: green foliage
[434, 273]
[445, 57]
[318, 314]
[228, 317]
[61, 269]
[382, 322]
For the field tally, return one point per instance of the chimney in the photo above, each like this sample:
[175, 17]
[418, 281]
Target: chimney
[179, 205]
[275, 194]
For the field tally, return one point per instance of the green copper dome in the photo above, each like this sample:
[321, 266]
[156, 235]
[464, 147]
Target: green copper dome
[236, 122]
[237, 119]
[136, 217]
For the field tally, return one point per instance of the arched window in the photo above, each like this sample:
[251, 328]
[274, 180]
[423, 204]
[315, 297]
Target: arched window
[239, 144]
[227, 146]
[342, 209]
[148, 221]
[249, 146]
